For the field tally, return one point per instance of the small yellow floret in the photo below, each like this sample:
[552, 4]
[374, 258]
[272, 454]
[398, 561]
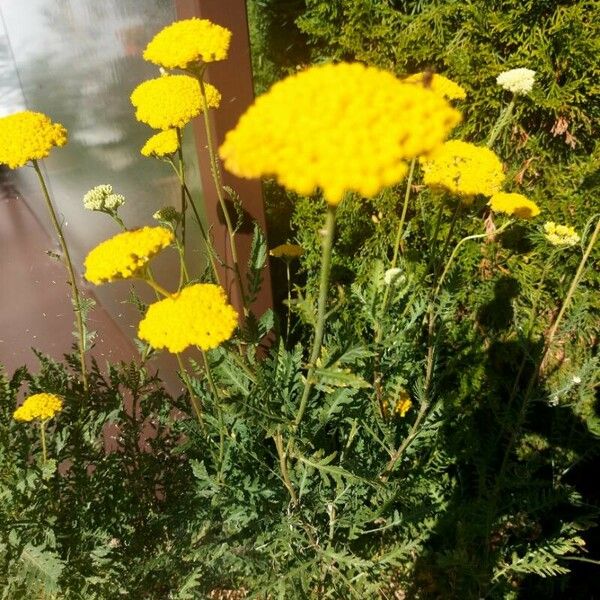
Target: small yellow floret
[184, 43]
[561, 235]
[39, 406]
[26, 136]
[514, 204]
[161, 144]
[198, 316]
[171, 101]
[338, 127]
[439, 84]
[287, 251]
[125, 254]
[464, 169]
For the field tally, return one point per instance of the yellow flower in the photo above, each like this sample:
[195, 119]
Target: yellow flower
[39, 406]
[514, 204]
[171, 101]
[340, 127]
[403, 404]
[26, 136]
[560, 235]
[198, 316]
[464, 169]
[439, 84]
[161, 144]
[125, 254]
[287, 251]
[186, 42]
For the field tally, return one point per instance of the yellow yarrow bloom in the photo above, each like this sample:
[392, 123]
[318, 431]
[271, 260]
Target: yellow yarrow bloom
[125, 254]
[338, 127]
[39, 406]
[198, 316]
[439, 84]
[184, 43]
[28, 135]
[287, 251]
[464, 169]
[514, 204]
[560, 235]
[403, 405]
[171, 101]
[161, 144]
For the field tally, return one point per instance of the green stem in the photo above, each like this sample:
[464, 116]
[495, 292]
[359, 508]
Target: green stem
[43, 438]
[321, 309]
[209, 247]
[283, 465]
[215, 392]
[289, 299]
[193, 399]
[182, 182]
[501, 122]
[216, 173]
[72, 279]
[157, 288]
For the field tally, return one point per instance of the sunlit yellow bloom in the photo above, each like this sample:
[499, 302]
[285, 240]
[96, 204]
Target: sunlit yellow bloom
[561, 235]
[338, 127]
[161, 144]
[26, 136]
[514, 204]
[171, 101]
[186, 42]
[198, 316]
[39, 406]
[439, 84]
[287, 251]
[403, 404]
[464, 169]
[125, 254]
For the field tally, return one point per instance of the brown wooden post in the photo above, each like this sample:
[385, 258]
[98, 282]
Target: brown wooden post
[233, 78]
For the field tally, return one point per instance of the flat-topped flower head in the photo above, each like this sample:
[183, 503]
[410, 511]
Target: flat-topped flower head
[464, 169]
[517, 81]
[338, 127]
[26, 136]
[161, 144]
[102, 198]
[171, 101]
[514, 204]
[287, 251]
[189, 42]
[560, 235]
[439, 84]
[198, 316]
[38, 406]
[126, 254]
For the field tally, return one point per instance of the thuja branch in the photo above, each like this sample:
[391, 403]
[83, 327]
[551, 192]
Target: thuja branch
[72, 279]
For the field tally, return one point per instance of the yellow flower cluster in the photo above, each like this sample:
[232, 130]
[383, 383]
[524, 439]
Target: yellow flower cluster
[39, 406]
[28, 135]
[125, 254]
[287, 251]
[171, 101]
[514, 204]
[161, 144]
[439, 84]
[198, 316]
[401, 406]
[339, 127]
[184, 43]
[560, 235]
[464, 169]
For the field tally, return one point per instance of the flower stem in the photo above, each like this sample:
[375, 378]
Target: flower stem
[289, 299]
[216, 173]
[283, 465]
[182, 182]
[157, 288]
[193, 398]
[72, 279]
[501, 122]
[43, 438]
[321, 308]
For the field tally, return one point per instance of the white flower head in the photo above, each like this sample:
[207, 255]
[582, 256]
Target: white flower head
[391, 275]
[102, 198]
[518, 81]
[576, 380]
